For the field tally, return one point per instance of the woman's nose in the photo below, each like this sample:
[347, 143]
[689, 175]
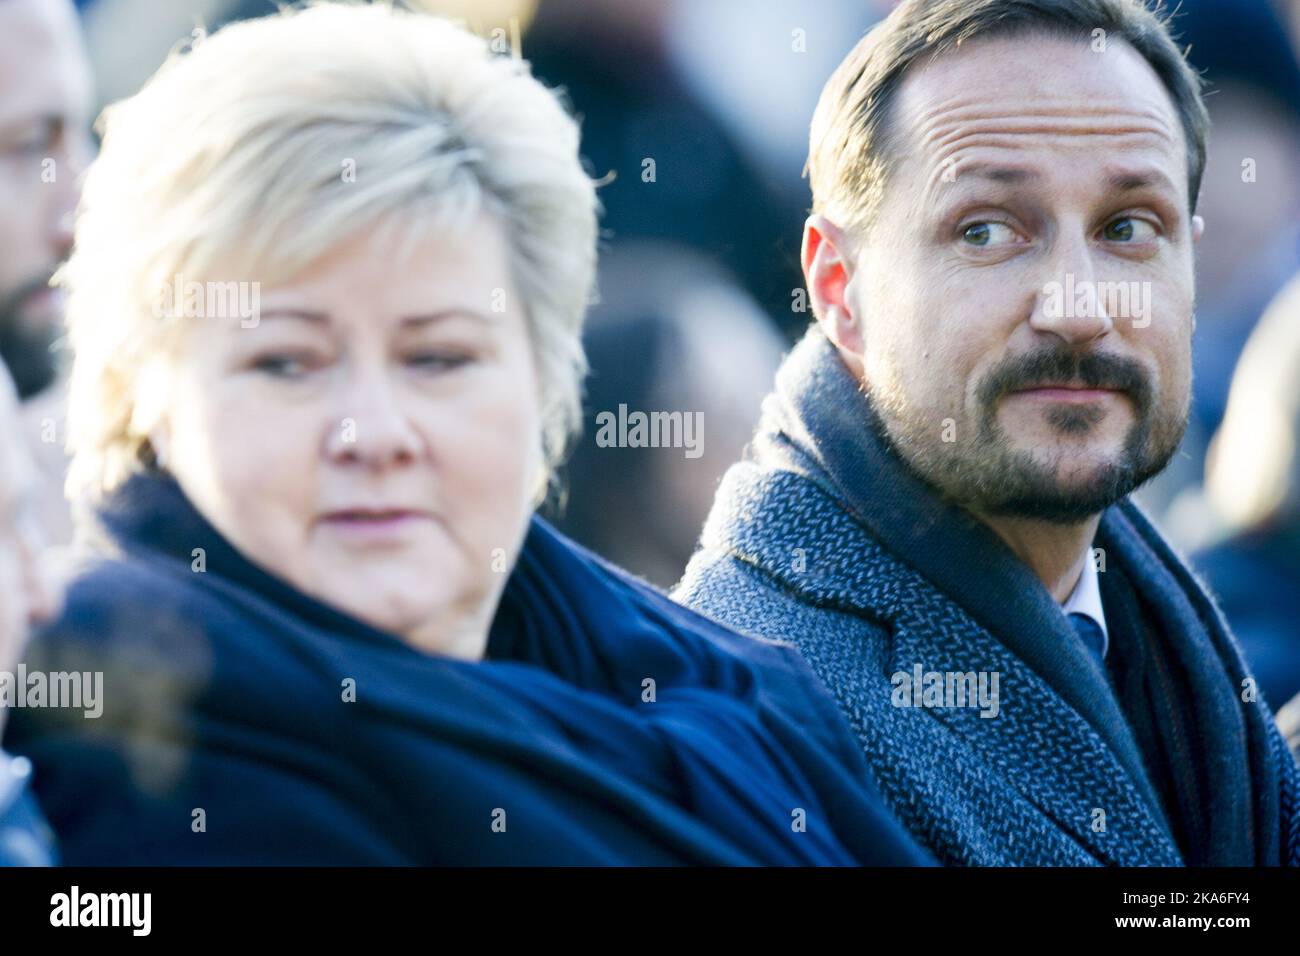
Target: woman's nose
[372, 424]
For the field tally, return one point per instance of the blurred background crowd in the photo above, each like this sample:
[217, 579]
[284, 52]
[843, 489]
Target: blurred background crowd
[695, 118]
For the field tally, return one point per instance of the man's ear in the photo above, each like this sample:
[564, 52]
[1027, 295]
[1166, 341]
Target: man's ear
[828, 269]
[1198, 228]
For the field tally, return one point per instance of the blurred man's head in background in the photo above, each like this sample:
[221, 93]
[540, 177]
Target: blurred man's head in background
[44, 106]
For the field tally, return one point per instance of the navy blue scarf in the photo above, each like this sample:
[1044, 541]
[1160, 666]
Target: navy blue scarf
[225, 738]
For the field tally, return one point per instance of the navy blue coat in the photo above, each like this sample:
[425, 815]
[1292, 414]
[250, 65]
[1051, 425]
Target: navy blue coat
[228, 735]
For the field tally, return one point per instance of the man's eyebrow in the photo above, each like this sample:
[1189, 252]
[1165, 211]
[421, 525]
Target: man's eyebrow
[1125, 180]
[1002, 174]
[996, 173]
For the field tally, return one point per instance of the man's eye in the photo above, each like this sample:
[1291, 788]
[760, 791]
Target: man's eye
[1128, 229]
[38, 142]
[36, 147]
[985, 234]
[31, 147]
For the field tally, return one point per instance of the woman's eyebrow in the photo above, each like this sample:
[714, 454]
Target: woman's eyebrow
[318, 317]
[307, 315]
[423, 319]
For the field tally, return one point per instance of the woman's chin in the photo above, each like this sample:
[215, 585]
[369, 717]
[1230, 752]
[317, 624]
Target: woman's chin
[390, 599]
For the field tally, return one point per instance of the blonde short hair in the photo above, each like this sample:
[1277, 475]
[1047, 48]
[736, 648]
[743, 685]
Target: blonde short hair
[233, 156]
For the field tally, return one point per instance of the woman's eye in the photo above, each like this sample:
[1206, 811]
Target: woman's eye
[437, 361]
[282, 366]
[1128, 229]
[984, 234]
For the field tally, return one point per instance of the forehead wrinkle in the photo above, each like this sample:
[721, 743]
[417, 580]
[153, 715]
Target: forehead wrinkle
[946, 120]
[941, 166]
[1121, 141]
[966, 123]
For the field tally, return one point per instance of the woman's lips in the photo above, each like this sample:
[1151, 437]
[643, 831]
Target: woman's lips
[377, 526]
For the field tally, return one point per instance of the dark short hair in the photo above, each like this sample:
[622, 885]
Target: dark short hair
[848, 156]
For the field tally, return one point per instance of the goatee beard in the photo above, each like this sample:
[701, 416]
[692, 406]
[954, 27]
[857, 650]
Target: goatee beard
[27, 353]
[984, 473]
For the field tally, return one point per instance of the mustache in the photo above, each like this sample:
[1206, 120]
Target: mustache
[1063, 366]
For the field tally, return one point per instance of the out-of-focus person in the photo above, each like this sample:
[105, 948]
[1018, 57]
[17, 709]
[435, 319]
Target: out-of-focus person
[1253, 489]
[26, 597]
[326, 305]
[44, 145]
[1288, 722]
[676, 172]
[676, 346]
[1251, 193]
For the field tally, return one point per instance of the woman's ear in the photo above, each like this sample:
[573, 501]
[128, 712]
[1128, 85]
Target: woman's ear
[149, 410]
[828, 269]
[159, 446]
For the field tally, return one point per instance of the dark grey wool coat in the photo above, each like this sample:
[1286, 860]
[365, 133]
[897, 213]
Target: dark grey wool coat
[1166, 756]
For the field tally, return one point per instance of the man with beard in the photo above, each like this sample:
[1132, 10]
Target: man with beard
[44, 145]
[935, 508]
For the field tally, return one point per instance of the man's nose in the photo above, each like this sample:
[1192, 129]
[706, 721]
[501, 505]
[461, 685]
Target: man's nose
[1070, 302]
[63, 233]
[67, 193]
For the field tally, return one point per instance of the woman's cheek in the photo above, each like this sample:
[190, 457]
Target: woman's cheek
[495, 460]
[267, 450]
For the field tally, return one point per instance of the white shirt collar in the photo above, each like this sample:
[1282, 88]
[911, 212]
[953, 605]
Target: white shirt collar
[1086, 599]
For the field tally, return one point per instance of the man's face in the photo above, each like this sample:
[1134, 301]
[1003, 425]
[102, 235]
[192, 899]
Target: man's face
[44, 102]
[1026, 293]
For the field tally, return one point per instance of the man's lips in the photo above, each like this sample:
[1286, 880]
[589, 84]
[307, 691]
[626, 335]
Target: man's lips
[1065, 393]
[45, 303]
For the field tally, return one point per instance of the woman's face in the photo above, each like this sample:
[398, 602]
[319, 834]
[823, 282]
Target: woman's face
[373, 437]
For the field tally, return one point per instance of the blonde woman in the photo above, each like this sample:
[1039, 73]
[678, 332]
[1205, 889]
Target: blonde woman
[326, 295]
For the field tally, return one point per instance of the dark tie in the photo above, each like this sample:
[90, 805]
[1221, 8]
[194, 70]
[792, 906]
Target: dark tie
[1089, 632]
